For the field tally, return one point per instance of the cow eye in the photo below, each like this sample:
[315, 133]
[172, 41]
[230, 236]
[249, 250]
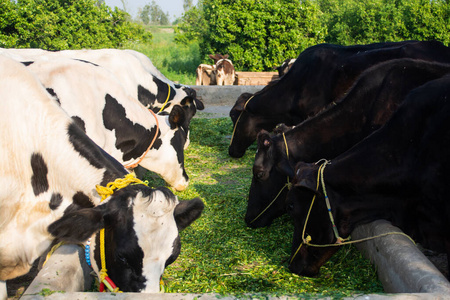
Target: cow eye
[260, 175]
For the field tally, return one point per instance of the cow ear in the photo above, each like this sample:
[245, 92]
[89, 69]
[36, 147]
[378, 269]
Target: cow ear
[225, 56]
[241, 100]
[199, 104]
[264, 139]
[187, 212]
[305, 176]
[176, 117]
[77, 226]
[282, 128]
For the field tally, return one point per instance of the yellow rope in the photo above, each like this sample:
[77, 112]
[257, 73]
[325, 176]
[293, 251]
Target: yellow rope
[167, 99]
[119, 183]
[340, 241]
[103, 271]
[105, 192]
[134, 165]
[279, 193]
[235, 125]
[50, 253]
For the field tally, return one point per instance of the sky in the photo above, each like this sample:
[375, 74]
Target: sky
[173, 7]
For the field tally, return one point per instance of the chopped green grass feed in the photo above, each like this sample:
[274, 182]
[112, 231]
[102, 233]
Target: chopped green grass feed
[220, 254]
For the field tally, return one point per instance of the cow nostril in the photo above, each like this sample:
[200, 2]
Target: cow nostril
[260, 175]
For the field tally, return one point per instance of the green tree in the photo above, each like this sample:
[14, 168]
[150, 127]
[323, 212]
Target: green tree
[192, 26]
[366, 21]
[187, 4]
[153, 14]
[65, 24]
[259, 34]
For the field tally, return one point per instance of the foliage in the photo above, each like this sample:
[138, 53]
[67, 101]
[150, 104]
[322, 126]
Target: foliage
[177, 61]
[65, 24]
[364, 21]
[192, 26]
[220, 254]
[259, 34]
[154, 15]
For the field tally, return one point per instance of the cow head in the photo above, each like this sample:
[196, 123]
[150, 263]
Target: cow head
[224, 71]
[268, 190]
[245, 126]
[166, 157]
[141, 234]
[307, 260]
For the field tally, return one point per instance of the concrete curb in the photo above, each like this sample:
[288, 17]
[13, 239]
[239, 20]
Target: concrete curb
[401, 267]
[223, 95]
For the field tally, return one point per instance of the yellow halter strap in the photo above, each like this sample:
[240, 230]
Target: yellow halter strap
[237, 121]
[105, 192]
[339, 240]
[134, 165]
[167, 99]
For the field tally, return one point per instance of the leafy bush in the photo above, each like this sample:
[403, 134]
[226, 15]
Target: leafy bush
[256, 34]
[65, 24]
[364, 21]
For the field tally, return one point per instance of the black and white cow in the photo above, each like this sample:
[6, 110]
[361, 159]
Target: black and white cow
[134, 70]
[49, 172]
[371, 101]
[115, 121]
[136, 73]
[399, 173]
[320, 75]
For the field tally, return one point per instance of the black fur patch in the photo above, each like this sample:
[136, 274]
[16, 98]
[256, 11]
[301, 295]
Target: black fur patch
[96, 156]
[87, 62]
[27, 63]
[39, 180]
[54, 95]
[131, 138]
[80, 123]
[55, 201]
[82, 200]
[145, 96]
[163, 90]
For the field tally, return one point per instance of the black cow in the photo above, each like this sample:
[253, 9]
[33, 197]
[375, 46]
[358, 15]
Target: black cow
[368, 105]
[399, 173]
[321, 74]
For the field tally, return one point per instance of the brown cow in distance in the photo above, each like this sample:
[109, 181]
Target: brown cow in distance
[221, 73]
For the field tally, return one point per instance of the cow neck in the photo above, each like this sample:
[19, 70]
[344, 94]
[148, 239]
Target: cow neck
[339, 240]
[134, 165]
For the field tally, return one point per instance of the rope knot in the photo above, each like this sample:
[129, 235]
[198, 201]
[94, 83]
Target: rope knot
[103, 274]
[307, 239]
[289, 185]
[119, 183]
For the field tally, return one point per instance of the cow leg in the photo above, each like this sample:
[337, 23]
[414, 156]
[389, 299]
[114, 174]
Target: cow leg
[3, 291]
